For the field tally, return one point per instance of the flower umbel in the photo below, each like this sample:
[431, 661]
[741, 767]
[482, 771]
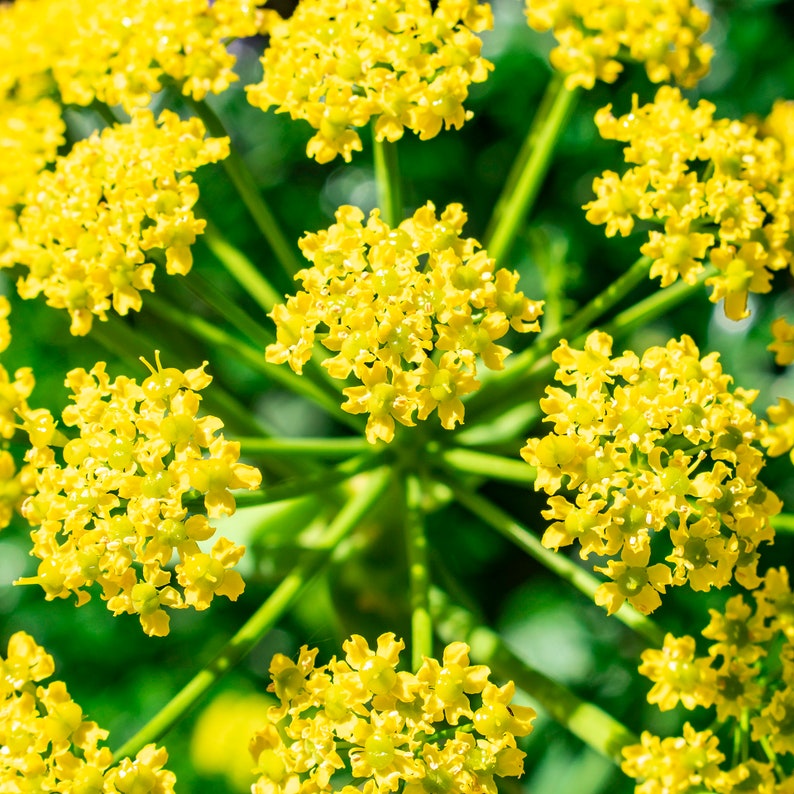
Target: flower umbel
[112, 503]
[447, 728]
[384, 299]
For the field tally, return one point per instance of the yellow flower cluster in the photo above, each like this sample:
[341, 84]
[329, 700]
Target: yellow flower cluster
[747, 674]
[110, 503]
[390, 297]
[778, 432]
[47, 745]
[405, 63]
[87, 225]
[650, 445]
[445, 728]
[121, 52]
[594, 36]
[721, 187]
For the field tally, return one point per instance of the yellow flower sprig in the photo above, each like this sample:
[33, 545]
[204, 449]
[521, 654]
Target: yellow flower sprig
[594, 37]
[385, 299]
[722, 187]
[747, 675]
[109, 502]
[120, 53]
[337, 64]
[88, 225]
[48, 745]
[650, 445]
[358, 724]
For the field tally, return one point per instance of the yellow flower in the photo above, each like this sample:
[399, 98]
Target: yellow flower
[108, 503]
[125, 199]
[446, 726]
[594, 36]
[402, 63]
[390, 297]
[783, 346]
[657, 444]
[47, 744]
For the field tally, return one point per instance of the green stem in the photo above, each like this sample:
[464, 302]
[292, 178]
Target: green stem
[519, 366]
[302, 484]
[487, 465]
[591, 724]
[241, 269]
[215, 335]
[559, 564]
[262, 620]
[306, 447]
[387, 180]
[783, 522]
[248, 191]
[529, 170]
[418, 571]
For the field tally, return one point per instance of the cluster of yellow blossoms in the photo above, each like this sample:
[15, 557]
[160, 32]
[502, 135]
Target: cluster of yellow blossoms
[593, 36]
[722, 187]
[110, 503]
[47, 745]
[389, 298]
[87, 224]
[444, 728]
[653, 444]
[748, 675]
[405, 63]
[121, 53]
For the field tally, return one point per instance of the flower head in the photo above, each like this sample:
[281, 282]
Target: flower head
[383, 299]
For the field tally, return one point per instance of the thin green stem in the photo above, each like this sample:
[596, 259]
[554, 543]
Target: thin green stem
[566, 569]
[591, 724]
[255, 359]
[418, 571]
[241, 269]
[387, 180]
[303, 484]
[783, 522]
[306, 447]
[263, 619]
[487, 465]
[529, 170]
[246, 187]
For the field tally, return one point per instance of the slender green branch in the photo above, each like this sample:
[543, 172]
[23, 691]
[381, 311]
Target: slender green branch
[783, 522]
[248, 191]
[416, 540]
[263, 619]
[529, 170]
[306, 447]
[487, 465]
[241, 269]
[557, 563]
[255, 359]
[590, 723]
[387, 180]
[302, 484]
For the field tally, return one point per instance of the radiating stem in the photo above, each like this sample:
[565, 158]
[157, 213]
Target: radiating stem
[418, 571]
[241, 269]
[249, 193]
[529, 170]
[487, 465]
[306, 447]
[783, 522]
[591, 724]
[387, 180]
[559, 564]
[263, 619]
[255, 359]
